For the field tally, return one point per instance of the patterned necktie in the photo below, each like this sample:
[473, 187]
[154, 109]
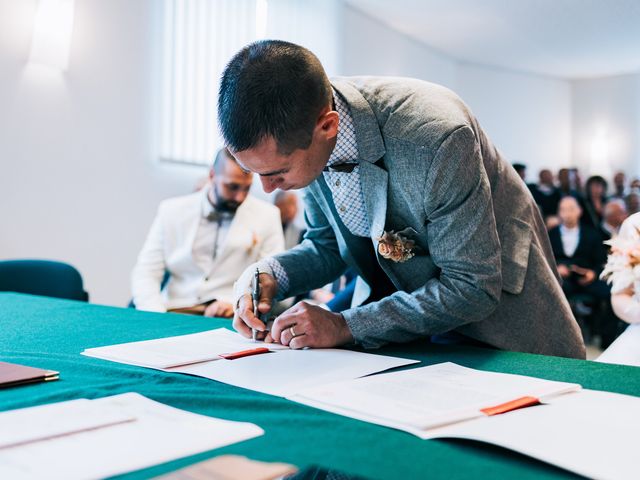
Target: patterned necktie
[218, 217]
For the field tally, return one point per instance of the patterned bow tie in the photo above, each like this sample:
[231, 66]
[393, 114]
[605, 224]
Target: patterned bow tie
[219, 216]
[341, 167]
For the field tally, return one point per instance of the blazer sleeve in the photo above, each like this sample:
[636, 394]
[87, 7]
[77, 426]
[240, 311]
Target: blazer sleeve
[463, 242]
[316, 261]
[149, 269]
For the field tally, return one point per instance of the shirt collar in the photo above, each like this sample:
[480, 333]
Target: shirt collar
[346, 148]
[205, 205]
[573, 230]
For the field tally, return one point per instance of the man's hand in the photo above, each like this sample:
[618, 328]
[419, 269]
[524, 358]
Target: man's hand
[244, 319]
[563, 270]
[587, 276]
[305, 325]
[219, 309]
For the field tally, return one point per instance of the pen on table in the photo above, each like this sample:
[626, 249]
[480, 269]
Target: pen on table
[255, 295]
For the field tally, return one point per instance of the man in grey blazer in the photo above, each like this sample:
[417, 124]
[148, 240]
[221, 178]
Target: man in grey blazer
[402, 185]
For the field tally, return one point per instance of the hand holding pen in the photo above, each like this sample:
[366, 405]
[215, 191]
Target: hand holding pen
[252, 310]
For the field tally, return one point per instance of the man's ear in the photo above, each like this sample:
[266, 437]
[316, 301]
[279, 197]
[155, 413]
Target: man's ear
[327, 124]
[211, 174]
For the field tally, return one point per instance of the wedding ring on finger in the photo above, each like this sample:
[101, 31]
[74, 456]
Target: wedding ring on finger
[292, 331]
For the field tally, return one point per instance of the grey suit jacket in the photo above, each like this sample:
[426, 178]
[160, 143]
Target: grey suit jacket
[487, 270]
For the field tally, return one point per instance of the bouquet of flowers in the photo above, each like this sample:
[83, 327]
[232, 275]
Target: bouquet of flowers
[622, 270]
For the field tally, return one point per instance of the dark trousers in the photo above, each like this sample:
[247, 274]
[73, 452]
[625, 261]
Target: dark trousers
[603, 321]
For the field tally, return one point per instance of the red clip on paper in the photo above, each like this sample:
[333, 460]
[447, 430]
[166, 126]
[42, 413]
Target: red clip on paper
[244, 353]
[512, 405]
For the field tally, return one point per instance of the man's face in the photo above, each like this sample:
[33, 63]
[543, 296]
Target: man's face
[614, 214]
[231, 187]
[546, 177]
[569, 211]
[633, 203]
[298, 168]
[619, 180]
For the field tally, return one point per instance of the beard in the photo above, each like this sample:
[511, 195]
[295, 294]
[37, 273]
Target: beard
[222, 204]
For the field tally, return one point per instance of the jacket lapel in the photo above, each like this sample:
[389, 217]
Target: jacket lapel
[374, 181]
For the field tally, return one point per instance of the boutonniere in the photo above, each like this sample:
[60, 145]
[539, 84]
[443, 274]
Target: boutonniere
[396, 247]
[254, 242]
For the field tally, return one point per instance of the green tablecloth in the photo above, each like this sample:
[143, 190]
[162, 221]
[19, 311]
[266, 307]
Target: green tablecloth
[50, 333]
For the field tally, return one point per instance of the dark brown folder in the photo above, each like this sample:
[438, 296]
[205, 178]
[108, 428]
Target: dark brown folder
[12, 374]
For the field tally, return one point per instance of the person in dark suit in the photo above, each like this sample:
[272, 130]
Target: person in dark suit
[546, 194]
[581, 255]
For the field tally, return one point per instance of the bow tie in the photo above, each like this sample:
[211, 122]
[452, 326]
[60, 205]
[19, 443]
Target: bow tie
[340, 167]
[219, 216]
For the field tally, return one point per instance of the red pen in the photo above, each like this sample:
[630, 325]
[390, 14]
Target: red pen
[244, 353]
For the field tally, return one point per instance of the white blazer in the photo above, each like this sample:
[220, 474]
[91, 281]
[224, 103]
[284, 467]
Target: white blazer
[255, 233]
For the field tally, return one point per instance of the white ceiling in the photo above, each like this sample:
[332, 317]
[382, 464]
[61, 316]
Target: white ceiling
[561, 38]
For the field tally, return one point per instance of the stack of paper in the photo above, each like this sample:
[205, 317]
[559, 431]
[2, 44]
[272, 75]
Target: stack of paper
[106, 437]
[281, 372]
[421, 399]
[590, 433]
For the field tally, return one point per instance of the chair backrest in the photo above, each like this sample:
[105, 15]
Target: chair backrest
[42, 277]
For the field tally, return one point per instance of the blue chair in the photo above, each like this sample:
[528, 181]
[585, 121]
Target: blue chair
[42, 277]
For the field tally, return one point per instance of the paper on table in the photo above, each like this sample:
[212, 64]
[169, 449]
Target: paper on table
[284, 372]
[180, 350]
[290, 371]
[159, 434]
[625, 350]
[594, 434]
[48, 421]
[419, 399]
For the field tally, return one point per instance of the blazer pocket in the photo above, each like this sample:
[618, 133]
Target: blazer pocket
[515, 240]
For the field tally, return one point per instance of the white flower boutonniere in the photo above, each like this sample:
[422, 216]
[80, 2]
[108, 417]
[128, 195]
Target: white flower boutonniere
[396, 247]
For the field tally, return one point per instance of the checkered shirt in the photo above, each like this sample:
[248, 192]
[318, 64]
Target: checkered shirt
[346, 188]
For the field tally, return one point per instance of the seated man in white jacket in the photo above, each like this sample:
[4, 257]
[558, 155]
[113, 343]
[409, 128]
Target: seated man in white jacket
[204, 241]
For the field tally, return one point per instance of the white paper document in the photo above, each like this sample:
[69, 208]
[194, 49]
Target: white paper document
[49, 421]
[181, 350]
[594, 434]
[289, 371]
[420, 399]
[153, 433]
[280, 372]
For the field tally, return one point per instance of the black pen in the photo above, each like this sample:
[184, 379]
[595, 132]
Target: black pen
[256, 300]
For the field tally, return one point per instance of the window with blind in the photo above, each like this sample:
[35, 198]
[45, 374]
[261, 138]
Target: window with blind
[198, 39]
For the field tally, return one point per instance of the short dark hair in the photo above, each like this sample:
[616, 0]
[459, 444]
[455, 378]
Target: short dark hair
[272, 88]
[519, 167]
[221, 159]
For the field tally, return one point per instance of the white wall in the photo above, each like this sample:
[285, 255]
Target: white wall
[528, 117]
[606, 133]
[78, 179]
[372, 48]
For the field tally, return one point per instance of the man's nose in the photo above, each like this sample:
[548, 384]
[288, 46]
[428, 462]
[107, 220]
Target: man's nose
[240, 196]
[269, 184]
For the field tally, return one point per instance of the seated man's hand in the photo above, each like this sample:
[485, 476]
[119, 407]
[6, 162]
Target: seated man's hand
[563, 270]
[219, 309]
[244, 319]
[587, 276]
[305, 325]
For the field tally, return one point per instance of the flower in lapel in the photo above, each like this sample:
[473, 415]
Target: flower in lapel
[396, 247]
[254, 242]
